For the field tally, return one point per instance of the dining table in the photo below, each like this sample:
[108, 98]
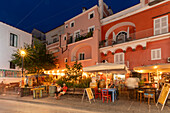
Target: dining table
[113, 90]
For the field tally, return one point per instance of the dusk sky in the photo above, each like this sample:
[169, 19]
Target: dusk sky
[45, 15]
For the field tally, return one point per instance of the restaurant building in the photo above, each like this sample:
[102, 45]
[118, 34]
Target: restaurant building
[135, 40]
[11, 40]
[138, 37]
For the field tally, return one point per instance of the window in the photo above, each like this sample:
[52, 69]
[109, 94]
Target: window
[72, 24]
[156, 54]
[65, 60]
[91, 29]
[65, 38]
[12, 65]
[55, 40]
[121, 37]
[161, 25]
[66, 26]
[70, 40]
[13, 40]
[81, 56]
[91, 15]
[77, 34]
[119, 58]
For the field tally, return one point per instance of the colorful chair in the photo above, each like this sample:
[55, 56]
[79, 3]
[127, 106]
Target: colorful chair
[97, 93]
[149, 96]
[105, 94]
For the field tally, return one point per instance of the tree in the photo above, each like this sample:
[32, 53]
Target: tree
[36, 59]
[74, 72]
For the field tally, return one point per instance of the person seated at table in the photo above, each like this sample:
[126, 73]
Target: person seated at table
[58, 90]
[63, 92]
[112, 85]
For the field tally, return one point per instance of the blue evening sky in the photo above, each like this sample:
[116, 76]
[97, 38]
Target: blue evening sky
[45, 15]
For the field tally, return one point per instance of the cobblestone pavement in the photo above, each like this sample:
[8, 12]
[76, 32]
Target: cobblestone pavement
[74, 102]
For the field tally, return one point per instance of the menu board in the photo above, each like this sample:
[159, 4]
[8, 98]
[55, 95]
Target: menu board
[164, 94]
[89, 93]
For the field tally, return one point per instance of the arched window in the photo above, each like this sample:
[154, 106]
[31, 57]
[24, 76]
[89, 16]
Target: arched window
[121, 37]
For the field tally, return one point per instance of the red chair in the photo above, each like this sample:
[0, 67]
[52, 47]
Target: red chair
[105, 94]
[97, 93]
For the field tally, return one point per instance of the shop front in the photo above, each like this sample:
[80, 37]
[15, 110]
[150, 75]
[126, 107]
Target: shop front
[156, 75]
[106, 72]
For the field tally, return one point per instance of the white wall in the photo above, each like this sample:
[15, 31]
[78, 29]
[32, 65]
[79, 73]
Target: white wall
[50, 35]
[6, 50]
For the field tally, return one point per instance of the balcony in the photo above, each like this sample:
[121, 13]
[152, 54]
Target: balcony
[80, 37]
[54, 41]
[144, 34]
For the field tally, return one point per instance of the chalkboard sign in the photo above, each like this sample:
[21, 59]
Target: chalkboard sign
[164, 95]
[89, 93]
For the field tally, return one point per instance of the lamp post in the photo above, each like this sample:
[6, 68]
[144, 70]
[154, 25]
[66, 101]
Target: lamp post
[22, 52]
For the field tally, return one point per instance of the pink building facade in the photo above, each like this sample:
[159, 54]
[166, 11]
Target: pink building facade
[79, 40]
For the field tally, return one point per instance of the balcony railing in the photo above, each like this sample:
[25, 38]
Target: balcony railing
[80, 37]
[133, 36]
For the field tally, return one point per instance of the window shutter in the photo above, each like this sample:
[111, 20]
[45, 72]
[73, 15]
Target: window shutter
[158, 54]
[153, 54]
[116, 58]
[157, 27]
[164, 24]
[15, 40]
[121, 58]
[11, 40]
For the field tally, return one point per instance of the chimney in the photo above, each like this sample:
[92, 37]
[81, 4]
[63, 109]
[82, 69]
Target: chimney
[84, 9]
[142, 2]
[110, 10]
[101, 8]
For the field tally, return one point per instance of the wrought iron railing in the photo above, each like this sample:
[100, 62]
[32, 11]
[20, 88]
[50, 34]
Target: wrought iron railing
[80, 37]
[132, 36]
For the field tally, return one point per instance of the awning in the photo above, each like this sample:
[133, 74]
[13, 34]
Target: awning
[109, 67]
[153, 68]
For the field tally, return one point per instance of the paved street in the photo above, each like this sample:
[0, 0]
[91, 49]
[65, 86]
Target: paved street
[73, 104]
[7, 106]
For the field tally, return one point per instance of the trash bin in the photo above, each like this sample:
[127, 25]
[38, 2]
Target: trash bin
[52, 90]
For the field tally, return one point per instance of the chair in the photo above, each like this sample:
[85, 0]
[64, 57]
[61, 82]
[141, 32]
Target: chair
[105, 94]
[149, 94]
[97, 93]
[140, 93]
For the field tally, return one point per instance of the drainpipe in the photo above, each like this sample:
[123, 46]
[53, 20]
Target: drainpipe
[61, 47]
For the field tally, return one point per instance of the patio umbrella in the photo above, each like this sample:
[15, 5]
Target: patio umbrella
[107, 67]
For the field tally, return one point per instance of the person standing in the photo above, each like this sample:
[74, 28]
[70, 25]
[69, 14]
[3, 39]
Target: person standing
[131, 83]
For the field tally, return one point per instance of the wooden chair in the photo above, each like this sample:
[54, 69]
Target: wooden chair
[140, 94]
[105, 94]
[149, 94]
[97, 93]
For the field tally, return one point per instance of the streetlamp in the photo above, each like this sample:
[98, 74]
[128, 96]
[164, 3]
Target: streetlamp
[23, 53]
